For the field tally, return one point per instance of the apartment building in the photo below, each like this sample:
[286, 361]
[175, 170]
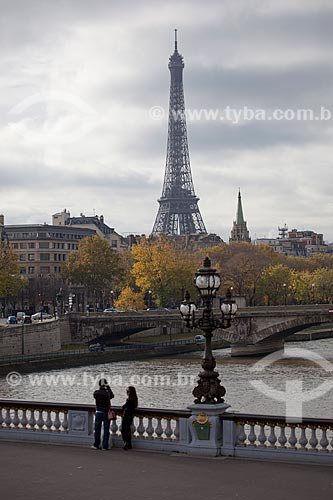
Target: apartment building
[94, 222]
[42, 249]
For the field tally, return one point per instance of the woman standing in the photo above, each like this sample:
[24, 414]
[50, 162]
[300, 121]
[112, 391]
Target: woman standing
[129, 410]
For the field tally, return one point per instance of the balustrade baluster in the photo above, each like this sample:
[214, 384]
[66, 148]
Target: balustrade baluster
[241, 436]
[313, 441]
[324, 441]
[141, 428]
[282, 438]
[24, 420]
[272, 436]
[8, 419]
[40, 421]
[150, 428]
[168, 429]
[252, 435]
[48, 421]
[159, 429]
[32, 420]
[57, 423]
[262, 436]
[176, 431]
[114, 427]
[65, 422]
[303, 441]
[16, 419]
[292, 438]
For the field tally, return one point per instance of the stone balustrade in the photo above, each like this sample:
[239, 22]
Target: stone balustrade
[201, 430]
[260, 436]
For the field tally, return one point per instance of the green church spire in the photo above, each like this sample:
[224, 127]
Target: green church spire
[239, 231]
[239, 216]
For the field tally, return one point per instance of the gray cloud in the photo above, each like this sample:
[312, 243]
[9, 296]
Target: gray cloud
[114, 56]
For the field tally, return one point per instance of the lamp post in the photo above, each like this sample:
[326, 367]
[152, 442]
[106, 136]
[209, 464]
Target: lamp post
[313, 292]
[285, 293]
[59, 299]
[209, 389]
[112, 297]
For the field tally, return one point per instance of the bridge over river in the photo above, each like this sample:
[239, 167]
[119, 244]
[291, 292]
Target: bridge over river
[255, 330]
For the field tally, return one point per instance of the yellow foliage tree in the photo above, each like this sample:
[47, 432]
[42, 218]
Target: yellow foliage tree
[11, 281]
[130, 299]
[94, 265]
[164, 269]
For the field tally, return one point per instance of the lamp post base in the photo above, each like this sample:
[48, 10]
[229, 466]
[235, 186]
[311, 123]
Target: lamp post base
[209, 389]
[205, 428]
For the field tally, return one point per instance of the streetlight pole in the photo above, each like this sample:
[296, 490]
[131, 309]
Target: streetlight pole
[209, 389]
[313, 292]
[285, 293]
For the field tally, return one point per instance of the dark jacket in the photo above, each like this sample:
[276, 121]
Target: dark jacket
[102, 397]
[129, 410]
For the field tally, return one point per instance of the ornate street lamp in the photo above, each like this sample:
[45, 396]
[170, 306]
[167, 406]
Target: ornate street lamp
[209, 389]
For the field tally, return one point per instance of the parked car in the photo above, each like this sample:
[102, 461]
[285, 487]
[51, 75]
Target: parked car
[11, 320]
[199, 339]
[111, 310]
[37, 316]
[96, 347]
[23, 318]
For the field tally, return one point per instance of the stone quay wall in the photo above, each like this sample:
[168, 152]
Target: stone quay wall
[36, 338]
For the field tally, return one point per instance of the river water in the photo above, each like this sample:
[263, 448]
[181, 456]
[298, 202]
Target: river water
[302, 382]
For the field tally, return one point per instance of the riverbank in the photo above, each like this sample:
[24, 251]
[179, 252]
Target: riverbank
[68, 359]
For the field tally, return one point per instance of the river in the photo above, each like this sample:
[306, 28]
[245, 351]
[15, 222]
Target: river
[168, 382]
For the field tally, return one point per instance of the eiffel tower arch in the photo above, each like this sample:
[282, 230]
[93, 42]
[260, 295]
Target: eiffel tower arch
[178, 212]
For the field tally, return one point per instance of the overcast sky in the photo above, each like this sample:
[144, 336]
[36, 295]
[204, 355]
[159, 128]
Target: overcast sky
[78, 80]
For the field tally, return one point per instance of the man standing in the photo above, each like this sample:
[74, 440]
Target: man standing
[103, 396]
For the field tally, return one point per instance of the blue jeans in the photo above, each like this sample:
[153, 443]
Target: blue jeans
[102, 417]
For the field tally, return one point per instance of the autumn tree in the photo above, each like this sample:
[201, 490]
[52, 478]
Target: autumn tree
[322, 285]
[164, 269]
[11, 282]
[95, 266]
[241, 265]
[275, 284]
[130, 299]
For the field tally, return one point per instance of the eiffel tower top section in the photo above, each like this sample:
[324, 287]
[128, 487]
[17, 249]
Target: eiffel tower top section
[178, 211]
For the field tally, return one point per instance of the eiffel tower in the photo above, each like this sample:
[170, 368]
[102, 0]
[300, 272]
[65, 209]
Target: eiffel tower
[178, 212]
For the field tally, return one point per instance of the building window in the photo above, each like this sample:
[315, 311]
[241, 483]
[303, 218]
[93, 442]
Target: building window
[44, 256]
[44, 244]
[22, 257]
[114, 243]
[31, 245]
[31, 270]
[31, 256]
[23, 245]
[15, 245]
[23, 270]
[45, 270]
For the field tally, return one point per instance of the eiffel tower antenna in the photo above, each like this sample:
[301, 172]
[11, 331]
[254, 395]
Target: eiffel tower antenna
[178, 212]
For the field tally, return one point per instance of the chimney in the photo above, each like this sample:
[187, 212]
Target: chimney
[101, 218]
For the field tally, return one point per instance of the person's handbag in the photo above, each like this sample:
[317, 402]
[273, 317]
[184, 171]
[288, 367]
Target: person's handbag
[112, 415]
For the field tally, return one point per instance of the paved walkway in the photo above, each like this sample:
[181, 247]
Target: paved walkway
[37, 471]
